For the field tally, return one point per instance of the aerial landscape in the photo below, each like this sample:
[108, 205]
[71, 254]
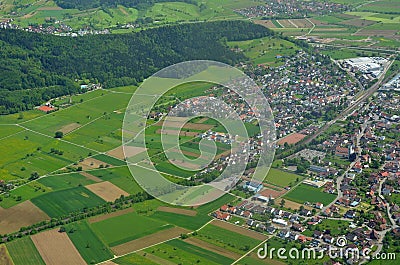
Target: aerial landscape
[199, 132]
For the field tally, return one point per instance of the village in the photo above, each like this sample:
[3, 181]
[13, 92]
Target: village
[359, 163]
[291, 9]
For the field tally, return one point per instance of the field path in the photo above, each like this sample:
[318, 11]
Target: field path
[148, 241]
[291, 22]
[177, 210]
[4, 256]
[239, 229]
[213, 248]
[103, 217]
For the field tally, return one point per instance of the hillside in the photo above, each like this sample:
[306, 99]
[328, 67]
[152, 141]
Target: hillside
[34, 61]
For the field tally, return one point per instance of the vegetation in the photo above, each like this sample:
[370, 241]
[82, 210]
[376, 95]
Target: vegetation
[305, 193]
[282, 178]
[184, 253]
[55, 62]
[127, 227]
[88, 4]
[63, 202]
[23, 251]
[227, 239]
[91, 248]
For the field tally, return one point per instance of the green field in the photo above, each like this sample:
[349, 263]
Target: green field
[134, 259]
[120, 176]
[23, 193]
[98, 18]
[29, 152]
[65, 181]
[62, 202]
[121, 229]
[82, 113]
[265, 50]
[181, 252]
[337, 227]
[305, 193]
[23, 251]
[282, 178]
[109, 160]
[88, 244]
[227, 239]
[189, 222]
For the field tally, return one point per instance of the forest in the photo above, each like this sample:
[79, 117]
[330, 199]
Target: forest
[36, 67]
[87, 4]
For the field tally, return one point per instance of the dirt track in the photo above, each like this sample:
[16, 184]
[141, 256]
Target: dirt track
[99, 218]
[213, 248]
[239, 230]
[149, 240]
[177, 210]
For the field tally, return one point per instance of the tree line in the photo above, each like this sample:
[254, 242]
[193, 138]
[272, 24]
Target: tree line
[48, 65]
[121, 203]
[87, 4]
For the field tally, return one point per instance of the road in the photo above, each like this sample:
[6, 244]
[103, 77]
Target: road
[354, 106]
[356, 48]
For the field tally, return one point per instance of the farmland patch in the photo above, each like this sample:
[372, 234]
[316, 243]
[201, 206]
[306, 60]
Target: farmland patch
[23, 214]
[149, 240]
[107, 191]
[49, 244]
[23, 251]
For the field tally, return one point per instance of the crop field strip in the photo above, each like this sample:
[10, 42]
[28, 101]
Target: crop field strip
[179, 251]
[71, 161]
[50, 242]
[303, 193]
[91, 248]
[23, 251]
[62, 202]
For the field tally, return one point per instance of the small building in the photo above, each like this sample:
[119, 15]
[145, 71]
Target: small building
[279, 221]
[253, 186]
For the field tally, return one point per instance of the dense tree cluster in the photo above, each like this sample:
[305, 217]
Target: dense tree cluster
[48, 65]
[87, 4]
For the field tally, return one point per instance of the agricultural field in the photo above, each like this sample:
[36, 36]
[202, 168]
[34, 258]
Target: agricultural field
[305, 193]
[65, 181]
[41, 12]
[91, 248]
[282, 178]
[22, 215]
[135, 258]
[181, 252]
[185, 221]
[22, 194]
[50, 243]
[121, 229]
[29, 152]
[228, 239]
[62, 202]
[23, 251]
[120, 177]
[266, 50]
